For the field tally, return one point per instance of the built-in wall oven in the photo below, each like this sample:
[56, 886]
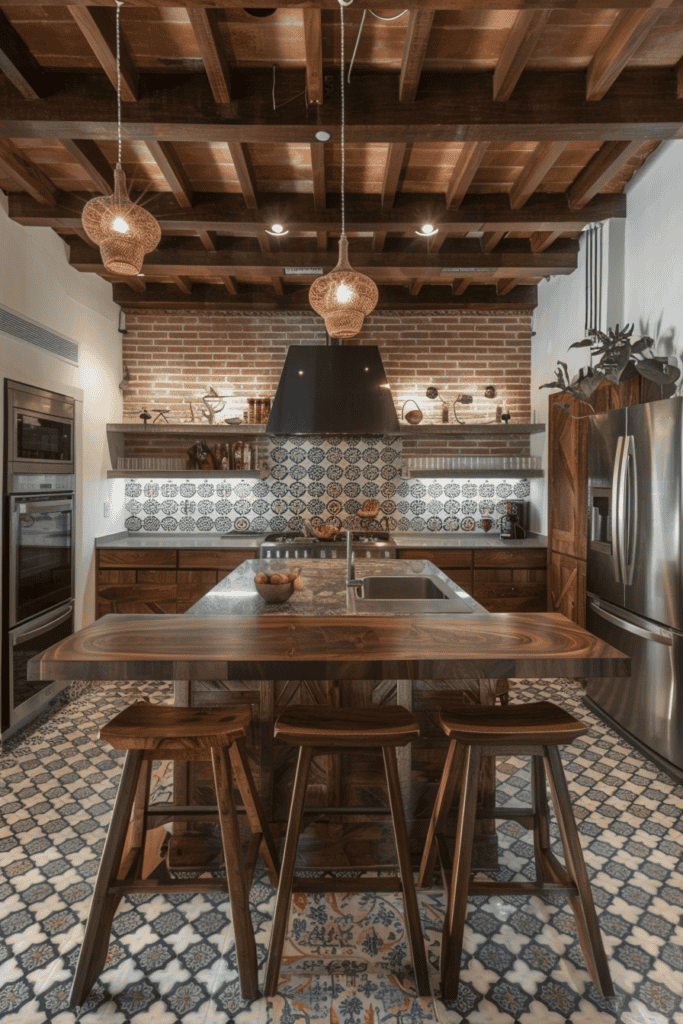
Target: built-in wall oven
[39, 542]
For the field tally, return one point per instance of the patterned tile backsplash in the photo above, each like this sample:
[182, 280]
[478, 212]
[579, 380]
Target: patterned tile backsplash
[320, 480]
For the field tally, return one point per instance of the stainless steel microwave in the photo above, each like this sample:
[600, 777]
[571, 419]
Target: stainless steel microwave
[40, 433]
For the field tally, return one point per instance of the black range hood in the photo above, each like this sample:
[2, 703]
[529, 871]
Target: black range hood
[333, 389]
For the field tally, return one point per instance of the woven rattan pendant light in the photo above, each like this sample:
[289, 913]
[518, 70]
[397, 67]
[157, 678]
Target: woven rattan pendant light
[124, 231]
[344, 297]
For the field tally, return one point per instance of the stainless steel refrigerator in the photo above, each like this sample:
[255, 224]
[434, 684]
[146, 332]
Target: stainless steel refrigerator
[635, 572]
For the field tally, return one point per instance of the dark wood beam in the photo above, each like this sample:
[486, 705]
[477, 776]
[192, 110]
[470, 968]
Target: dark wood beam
[318, 174]
[98, 26]
[537, 166]
[182, 283]
[277, 286]
[415, 286]
[243, 259]
[26, 174]
[205, 25]
[393, 167]
[378, 240]
[228, 284]
[89, 155]
[379, 5]
[547, 107]
[540, 240]
[313, 44]
[208, 240]
[227, 214]
[136, 284]
[461, 287]
[600, 170]
[18, 63]
[213, 296]
[321, 239]
[169, 164]
[679, 79]
[626, 33]
[414, 50]
[239, 154]
[519, 46]
[464, 171]
[504, 287]
[490, 239]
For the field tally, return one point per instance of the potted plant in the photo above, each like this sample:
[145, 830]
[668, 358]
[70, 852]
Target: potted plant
[614, 357]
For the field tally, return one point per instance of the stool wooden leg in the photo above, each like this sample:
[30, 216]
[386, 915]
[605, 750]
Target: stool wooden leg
[454, 922]
[234, 868]
[583, 906]
[442, 806]
[411, 907]
[539, 802]
[284, 889]
[132, 863]
[103, 907]
[254, 808]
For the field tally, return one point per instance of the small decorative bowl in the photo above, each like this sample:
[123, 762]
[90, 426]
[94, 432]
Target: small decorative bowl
[275, 593]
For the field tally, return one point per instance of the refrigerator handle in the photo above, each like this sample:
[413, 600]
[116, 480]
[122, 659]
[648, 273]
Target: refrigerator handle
[615, 510]
[630, 485]
[630, 627]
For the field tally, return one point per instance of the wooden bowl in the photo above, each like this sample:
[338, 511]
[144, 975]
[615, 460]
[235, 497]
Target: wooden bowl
[275, 593]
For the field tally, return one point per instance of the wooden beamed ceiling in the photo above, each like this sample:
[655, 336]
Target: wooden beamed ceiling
[509, 125]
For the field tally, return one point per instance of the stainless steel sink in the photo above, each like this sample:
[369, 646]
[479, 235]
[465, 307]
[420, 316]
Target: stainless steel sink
[411, 595]
[403, 588]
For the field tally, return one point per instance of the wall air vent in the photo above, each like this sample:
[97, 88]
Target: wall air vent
[30, 330]
[303, 271]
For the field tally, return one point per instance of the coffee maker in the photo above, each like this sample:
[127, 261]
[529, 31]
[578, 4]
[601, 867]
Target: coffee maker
[514, 524]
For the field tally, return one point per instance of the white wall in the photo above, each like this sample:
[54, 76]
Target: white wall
[36, 281]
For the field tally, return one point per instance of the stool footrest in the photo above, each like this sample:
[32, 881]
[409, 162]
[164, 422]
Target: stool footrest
[179, 885]
[316, 885]
[492, 888]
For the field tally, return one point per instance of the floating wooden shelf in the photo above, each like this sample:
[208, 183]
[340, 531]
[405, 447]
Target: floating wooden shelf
[459, 429]
[201, 429]
[170, 474]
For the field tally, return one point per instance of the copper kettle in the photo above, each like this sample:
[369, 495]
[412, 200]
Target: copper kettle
[414, 416]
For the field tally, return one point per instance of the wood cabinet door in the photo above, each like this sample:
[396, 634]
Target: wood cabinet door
[567, 482]
[567, 587]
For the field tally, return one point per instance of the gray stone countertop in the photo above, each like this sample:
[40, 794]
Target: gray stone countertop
[324, 593]
[430, 541]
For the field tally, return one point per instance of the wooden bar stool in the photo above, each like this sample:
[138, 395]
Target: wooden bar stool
[153, 732]
[323, 728]
[535, 729]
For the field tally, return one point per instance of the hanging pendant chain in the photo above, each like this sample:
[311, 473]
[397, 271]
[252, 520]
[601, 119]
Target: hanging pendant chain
[343, 126]
[119, 5]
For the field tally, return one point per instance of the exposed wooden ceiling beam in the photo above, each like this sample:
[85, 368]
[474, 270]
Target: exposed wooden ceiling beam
[414, 50]
[461, 287]
[378, 240]
[26, 174]
[626, 33]
[540, 240]
[18, 63]
[393, 167]
[205, 25]
[98, 26]
[136, 284]
[277, 286]
[318, 174]
[464, 171]
[608, 160]
[548, 106]
[183, 283]
[519, 46]
[490, 239]
[415, 286]
[169, 164]
[514, 258]
[379, 5]
[504, 287]
[239, 154]
[228, 284]
[226, 213]
[94, 163]
[208, 240]
[321, 239]
[537, 166]
[313, 44]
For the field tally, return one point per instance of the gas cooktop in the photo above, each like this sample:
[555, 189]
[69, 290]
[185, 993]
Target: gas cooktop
[293, 544]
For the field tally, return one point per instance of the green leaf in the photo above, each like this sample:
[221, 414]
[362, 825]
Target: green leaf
[586, 343]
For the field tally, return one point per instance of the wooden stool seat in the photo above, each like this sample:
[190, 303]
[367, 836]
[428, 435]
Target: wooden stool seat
[168, 731]
[321, 726]
[149, 732]
[325, 726]
[541, 722]
[476, 731]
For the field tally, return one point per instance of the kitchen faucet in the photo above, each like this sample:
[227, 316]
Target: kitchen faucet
[351, 580]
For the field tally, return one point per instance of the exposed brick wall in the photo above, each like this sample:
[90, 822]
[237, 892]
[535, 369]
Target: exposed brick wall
[173, 356]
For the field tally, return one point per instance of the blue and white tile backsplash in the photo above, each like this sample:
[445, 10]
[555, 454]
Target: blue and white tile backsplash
[320, 480]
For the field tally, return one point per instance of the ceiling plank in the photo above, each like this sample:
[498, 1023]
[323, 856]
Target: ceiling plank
[548, 106]
[321, 239]
[135, 283]
[313, 44]
[90, 157]
[414, 50]
[626, 33]
[609, 159]
[318, 174]
[205, 25]
[18, 63]
[415, 286]
[378, 240]
[239, 154]
[544, 156]
[519, 46]
[385, 5]
[490, 239]
[226, 213]
[464, 171]
[461, 287]
[98, 26]
[229, 284]
[540, 240]
[277, 286]
[393, 167]
[26, 174]
[169, 164]
[208, 240]
[504, 287]
[183, 283]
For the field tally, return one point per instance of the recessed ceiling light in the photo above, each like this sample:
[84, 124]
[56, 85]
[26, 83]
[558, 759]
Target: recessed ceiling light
[277, 230]
[426, 230]
[323, 136]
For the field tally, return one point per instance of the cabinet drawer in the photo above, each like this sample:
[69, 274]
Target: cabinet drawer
[525, 558]
[105, 576]
[194, 583]
[147, 558]
[162, 577]
[456, 558]
[136, 599]
[463, 577]
[210, 558]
